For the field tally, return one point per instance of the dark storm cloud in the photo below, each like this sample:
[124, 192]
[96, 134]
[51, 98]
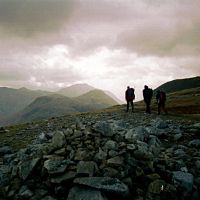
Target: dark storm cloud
[30, 17]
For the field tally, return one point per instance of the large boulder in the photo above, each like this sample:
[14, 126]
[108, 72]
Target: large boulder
[58, 139]
[26, 167]
[136, 134]
[105, 128]
[77, 193]
[86, 168]
[183, 182]
[107, 184]
[56, 166]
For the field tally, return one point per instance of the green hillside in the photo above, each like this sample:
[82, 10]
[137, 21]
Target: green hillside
[96, 98]
[180, 84]
[57, 105]
[14, 100]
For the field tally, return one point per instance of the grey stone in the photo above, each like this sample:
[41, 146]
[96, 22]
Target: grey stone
[104, 128]
[38, 194]
[142, 146]
[101, 155]
[48, 198]
[195, 143]
[86, 168]
[111, 145]
[54, 166]
[68, 132]
[116, 161]
[184, 181]
[60, 152]
[5, 150]
[179, 152]
[156, 187]
[83, 154]
[110, 172]
[25, 193]
[27, 167]
[4, 175]
[143, 155]
[58, 139]
[119, 125]
[8, 158]
[196, 125]
[178, 136]
[67, 176]
[76, 134]
[197, 164]
[131, 147]
[135, 134]
[107, 184]
[160, 124]
[81, 193]
[154, 145]
[49, 135]
[41, 139]
[113, 153]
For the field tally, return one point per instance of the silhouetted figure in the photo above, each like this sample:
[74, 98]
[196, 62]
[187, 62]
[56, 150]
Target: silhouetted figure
[147, 95]
[161, 99]
[129, 96]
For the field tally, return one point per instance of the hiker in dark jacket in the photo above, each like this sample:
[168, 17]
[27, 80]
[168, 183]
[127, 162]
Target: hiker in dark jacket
[161, 99]
[147, 95]
[129, 96]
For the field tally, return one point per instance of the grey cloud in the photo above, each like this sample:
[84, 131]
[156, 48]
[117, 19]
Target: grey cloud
[165, 30]
[146, 27]
[29, 17]
[14, 72]
[162, 28]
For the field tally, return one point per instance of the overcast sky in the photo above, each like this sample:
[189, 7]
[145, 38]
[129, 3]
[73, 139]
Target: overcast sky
[109, 44]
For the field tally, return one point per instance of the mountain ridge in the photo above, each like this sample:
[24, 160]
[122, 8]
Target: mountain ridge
[179, 84]
[44, 104]
[56, 105]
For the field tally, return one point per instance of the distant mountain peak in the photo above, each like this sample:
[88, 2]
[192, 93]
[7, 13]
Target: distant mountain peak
[23, 89]
[75, 90]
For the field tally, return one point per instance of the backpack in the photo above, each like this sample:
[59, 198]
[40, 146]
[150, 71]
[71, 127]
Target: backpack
[130, 95]
[162, 96]
[150, 93]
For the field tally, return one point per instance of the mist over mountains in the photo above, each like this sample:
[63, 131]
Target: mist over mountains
[24, 105]
[75, 90]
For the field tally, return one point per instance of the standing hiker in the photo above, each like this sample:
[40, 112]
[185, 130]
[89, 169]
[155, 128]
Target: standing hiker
[161, 99]
[129, 96]
[147, 95]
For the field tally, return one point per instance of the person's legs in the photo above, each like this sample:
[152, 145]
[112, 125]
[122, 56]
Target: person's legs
[164, 109]
[148, 110]
[132, 106]
[159, 108]
[127, 106]
[148, 107]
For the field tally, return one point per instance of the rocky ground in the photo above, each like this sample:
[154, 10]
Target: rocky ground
[107, 155]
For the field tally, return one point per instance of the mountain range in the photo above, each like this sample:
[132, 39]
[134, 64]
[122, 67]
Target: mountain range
[24, 105]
